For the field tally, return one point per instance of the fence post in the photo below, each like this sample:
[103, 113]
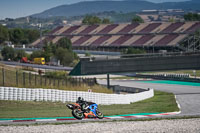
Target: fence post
[24, 83]
[45, 80]
[75, 81]
[35, 79]
[54, 82]
[95, 80]
[66, 81]
[17, 78]
[90, 82]
[72, 81]
[3, 76]
[50, 81]
[108, 81]
[86, 81]
[58, 83]
[81, 80]
[40, 80]
[63, 82]
[78, 81]
[29, 79]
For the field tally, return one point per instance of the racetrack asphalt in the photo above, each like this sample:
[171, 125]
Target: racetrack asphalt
[188, 96]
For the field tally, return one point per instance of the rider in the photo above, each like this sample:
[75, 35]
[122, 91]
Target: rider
[81, 102]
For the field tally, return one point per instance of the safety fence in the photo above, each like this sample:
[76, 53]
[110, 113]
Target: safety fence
[174, 77]
[17, 78]
[53, 95]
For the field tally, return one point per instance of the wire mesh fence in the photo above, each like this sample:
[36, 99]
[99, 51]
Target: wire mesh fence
[19, 78]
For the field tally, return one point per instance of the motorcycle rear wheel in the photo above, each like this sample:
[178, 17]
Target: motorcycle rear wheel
[77, 114]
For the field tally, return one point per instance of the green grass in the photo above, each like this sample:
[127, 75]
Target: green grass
[161, 102]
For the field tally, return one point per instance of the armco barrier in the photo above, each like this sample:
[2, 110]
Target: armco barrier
[27, 94]
[173, 77]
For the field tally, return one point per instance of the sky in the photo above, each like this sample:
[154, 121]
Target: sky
[21, 8]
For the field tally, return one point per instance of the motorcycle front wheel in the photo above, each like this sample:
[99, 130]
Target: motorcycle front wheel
[99, 114]
[78, 114]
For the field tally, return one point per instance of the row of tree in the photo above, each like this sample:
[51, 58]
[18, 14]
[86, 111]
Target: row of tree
[134, 51]
[192, 17]
[10, 53]
[61, 51]
[18, 35]
[91, 20]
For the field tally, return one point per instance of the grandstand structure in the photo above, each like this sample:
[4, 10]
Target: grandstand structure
[178, 35]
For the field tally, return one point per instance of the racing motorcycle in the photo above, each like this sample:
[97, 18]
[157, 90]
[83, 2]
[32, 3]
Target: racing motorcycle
[85, 110]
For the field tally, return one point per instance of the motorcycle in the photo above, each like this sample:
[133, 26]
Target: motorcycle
[79, 112]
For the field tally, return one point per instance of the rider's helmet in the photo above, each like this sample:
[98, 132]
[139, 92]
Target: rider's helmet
[79, 98]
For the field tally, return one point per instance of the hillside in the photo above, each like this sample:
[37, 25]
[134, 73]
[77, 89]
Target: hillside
[89, 7]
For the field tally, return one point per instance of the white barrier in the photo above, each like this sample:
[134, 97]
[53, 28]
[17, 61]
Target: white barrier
[27, 94]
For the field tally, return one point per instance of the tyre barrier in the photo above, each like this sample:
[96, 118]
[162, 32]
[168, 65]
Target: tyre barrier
[53, 95]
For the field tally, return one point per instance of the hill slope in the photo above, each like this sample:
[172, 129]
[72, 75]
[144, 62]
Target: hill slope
[88, 7]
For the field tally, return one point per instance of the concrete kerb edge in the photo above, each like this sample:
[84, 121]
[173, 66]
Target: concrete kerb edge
[107, 117]
[179, 106]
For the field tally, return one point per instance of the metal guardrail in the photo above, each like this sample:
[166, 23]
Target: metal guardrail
[37, 66]
[169, 77]
[160, 54]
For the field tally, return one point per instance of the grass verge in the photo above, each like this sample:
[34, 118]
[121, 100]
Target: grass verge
[161, 102]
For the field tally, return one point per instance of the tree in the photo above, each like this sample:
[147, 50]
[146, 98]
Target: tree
[106, 21]
[47, 53]
[135, 51]
[192, 17]
[3, 34]
[65, 43]
[19, 54]
[16, 35]
[8, 53]
[45, 31]
[91, 20]
[53, 47]
[36, 54]
[172, 20]
[87, 54]
[137, 19]
[62, 51]
[31, 35]
[65, 56]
